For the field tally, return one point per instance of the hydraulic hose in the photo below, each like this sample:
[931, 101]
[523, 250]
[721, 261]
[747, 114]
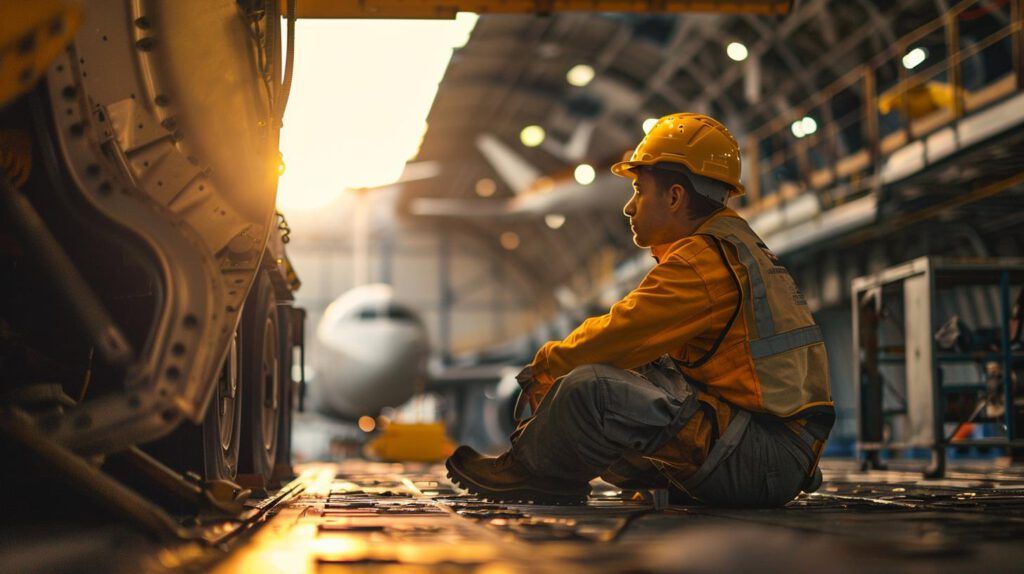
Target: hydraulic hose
[289, 61]
[272, 46]
[85, 306]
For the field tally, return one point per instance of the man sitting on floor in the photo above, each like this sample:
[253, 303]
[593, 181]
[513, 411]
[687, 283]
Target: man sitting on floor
[710, 378]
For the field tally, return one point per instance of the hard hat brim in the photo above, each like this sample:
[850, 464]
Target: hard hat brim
[625, 169]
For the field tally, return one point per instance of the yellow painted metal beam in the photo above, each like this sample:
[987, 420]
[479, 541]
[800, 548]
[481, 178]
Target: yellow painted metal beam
[32, 35]
[447, 9]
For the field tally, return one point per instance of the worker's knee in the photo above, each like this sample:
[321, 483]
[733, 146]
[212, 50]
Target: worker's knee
[592, 384]
[595, 372]
[581, 382]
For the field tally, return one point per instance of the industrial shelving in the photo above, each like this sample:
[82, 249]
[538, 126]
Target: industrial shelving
[915, 289]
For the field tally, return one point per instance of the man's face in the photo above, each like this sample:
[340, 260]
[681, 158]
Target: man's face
[648, 211]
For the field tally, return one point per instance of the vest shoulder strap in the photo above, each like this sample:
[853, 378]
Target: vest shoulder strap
[736, 231]
[732, 319]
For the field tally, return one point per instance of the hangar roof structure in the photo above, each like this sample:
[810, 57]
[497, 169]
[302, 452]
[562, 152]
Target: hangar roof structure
[513, 73]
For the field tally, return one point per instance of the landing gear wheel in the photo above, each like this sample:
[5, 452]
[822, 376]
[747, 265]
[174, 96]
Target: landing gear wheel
[222, 427]
[210, 449]
[286, 338]
[261, 377]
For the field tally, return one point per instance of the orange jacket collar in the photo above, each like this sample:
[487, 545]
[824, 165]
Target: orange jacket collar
[660, 251]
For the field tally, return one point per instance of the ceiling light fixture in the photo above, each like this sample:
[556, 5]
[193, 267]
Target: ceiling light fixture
[804, 127]
[736, 51]
[810, 126]
[584, 174]
[486, 187]
[915, 58]
[580, 75]
[510, 240]
[532, 136]
[554, 220]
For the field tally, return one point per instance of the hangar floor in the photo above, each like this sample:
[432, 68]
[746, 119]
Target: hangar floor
[359, 516]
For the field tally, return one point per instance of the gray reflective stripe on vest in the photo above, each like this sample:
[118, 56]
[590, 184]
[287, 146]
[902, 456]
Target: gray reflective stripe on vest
[768, 346]
[762, 310]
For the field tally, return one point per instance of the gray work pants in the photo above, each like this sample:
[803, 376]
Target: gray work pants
[600, 420]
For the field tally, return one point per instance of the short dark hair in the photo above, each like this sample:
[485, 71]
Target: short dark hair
[699, 205]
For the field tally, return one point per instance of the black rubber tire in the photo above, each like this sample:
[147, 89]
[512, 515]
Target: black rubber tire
[222, 427]
[261, 377]
[196, 447]
[289, 391]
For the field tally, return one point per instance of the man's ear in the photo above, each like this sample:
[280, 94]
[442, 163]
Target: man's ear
[676, 197]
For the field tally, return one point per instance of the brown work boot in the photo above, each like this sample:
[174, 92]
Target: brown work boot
[503, 479]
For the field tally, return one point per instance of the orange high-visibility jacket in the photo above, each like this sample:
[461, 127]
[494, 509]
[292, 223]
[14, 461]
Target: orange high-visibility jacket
[772, 359]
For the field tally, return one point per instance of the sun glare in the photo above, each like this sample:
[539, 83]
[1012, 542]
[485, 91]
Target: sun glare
[359, 102]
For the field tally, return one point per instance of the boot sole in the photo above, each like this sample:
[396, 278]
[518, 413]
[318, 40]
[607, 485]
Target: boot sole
[514, 495]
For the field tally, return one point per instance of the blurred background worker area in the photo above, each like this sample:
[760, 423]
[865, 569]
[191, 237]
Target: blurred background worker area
[339, 284]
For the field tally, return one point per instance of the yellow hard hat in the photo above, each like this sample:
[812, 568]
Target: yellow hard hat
[699, 142]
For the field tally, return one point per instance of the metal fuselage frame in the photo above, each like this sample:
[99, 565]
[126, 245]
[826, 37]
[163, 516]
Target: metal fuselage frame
[164, 121]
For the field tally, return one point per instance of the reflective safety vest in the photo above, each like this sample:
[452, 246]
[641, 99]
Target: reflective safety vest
[777, 364]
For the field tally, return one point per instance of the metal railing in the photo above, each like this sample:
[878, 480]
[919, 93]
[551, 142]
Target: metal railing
[881, 106]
